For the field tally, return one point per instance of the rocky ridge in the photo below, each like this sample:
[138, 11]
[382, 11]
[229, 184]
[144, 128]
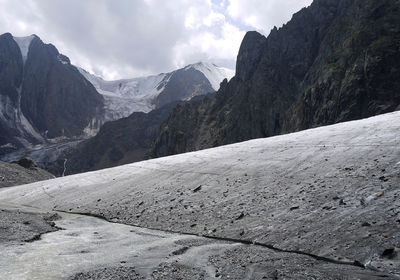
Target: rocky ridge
[42, 96]
[47, 105]
[334, 61]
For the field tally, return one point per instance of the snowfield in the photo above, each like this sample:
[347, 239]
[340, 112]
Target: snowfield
[331, 192]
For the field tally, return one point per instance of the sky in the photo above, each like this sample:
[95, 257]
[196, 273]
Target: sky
[130, 38]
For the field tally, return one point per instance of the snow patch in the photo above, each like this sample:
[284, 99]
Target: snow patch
[92, 128]
[63, 59]
[213, 73]
[24, 43]
[27, 127]
[6, 110]
[22, 122]
[12, 115]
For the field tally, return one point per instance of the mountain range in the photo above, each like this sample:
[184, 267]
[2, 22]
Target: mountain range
[44, 99]
[334, 61]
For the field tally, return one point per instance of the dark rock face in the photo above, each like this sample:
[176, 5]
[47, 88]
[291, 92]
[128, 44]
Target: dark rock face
[11, 67]
[334, 61]
[178, 135]
[64, 102]
[43, 97]
[357, 73]
[183, 84]
[118, 142]
[26, 163]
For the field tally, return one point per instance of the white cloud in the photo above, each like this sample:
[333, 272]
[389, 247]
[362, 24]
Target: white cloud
[263, 15]
[127, 38]
[213, 18]
[218, 49]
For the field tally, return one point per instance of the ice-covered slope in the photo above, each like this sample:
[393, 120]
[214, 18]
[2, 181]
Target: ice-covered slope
[123, 97]
[331, 191]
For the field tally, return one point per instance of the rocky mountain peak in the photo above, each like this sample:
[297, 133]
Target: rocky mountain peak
[249, 54]
[41, 94]
[336, 60]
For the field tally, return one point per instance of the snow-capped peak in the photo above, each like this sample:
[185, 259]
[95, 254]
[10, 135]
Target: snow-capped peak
[123, 97]
[24, 43]
[213, 73]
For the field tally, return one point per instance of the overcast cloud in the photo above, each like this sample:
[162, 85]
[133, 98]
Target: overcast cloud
[129, 38]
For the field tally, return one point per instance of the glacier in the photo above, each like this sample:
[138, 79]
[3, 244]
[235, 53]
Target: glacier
[123, 97]
[329, 193]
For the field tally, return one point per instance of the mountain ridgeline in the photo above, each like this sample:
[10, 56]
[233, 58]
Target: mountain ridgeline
[44, 99]
[41, 94]
[335, 61]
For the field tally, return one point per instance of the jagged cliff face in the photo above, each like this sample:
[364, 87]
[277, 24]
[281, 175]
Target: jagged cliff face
[11, 67]
[357, 71]
[55, 96]
[334, 61]
[41, 94]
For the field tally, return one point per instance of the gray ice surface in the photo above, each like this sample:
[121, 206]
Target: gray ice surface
[91, 248]
[331, 191]
[88, 243]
